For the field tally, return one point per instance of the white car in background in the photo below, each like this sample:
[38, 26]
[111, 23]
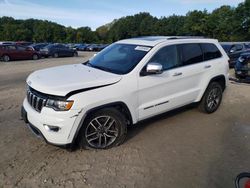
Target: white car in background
[129, 81]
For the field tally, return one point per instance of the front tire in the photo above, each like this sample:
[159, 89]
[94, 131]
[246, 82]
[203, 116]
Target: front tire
[6, 58]
[103, 129]
[35, 57]
[212, 98]
[55, 55]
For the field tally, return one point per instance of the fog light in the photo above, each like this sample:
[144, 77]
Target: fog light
[51, 128]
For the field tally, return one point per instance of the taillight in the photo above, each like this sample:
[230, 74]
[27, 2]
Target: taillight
[247, 184]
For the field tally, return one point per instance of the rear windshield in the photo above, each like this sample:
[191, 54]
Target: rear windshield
[226, 47]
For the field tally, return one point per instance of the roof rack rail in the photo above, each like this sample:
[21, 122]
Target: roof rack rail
[185, 37]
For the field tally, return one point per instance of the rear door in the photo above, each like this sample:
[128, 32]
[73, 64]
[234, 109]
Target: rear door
[178, 85]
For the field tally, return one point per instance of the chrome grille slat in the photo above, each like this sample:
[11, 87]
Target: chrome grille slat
[44, 102]
[36, 102]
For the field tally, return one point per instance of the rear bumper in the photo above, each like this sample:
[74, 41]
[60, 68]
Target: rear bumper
[44, 54]
[39, 122]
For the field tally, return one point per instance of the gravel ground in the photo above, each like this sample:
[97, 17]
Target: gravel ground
[182, 148]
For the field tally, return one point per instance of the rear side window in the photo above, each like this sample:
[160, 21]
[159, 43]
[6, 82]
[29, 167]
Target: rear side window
[191, 53]
[210, 51]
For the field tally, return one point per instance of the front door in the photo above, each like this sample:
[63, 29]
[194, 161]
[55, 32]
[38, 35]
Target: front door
[177, 85]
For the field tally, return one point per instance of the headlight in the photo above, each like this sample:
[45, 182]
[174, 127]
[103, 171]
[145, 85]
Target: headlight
[59, 105]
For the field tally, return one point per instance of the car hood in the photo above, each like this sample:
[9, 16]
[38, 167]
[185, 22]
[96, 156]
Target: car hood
[63, 80]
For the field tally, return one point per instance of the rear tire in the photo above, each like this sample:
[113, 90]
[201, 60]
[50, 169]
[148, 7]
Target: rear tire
[103, 129]
[211, 99]
[6, 58]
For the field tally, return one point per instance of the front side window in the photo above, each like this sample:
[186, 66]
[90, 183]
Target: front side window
[167, 56]
[210, 51]
[191, 53]
[119, 58]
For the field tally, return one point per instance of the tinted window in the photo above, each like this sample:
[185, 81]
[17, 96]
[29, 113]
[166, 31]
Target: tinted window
[167, 56]
[226, 47]
[191, 53]
[210, 51]
[11, 48]
[21, 48]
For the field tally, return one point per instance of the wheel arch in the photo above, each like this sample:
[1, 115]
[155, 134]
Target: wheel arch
[221, 79]
[119, 105]
[7, 55]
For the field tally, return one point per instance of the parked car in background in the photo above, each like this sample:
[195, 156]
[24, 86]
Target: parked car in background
[38, 46]
[102, 46]
[15, 52]
[234, 50]
[81, 47]
[6, 42]
[242, 66]
[23, 43]
[58, 50]
[91, 47]
[70, 45]
[96, 47]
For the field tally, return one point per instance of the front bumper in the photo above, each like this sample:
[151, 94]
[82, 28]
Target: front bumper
[44, 54]
[39, 122]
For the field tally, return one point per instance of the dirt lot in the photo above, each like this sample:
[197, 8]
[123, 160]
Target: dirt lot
[184, 148]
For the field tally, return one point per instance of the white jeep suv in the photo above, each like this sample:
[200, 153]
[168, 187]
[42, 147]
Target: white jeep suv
[129, 81]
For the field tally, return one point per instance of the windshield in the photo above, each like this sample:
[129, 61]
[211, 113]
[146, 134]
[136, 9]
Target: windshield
[119, 58]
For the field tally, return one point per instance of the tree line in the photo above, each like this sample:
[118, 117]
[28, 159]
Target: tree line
[225, 23]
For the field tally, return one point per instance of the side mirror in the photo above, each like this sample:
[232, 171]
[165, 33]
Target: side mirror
[232, 50]
[29, 49]
[154, 68]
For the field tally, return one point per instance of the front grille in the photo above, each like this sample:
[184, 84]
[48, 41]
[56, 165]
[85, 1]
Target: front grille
[36, 101]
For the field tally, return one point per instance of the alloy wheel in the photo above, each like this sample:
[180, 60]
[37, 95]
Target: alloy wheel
[213, 99]
[101, 132]
[6, 58]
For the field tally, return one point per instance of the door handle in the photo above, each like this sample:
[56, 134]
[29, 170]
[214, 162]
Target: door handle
[207, 66]
[177, 74]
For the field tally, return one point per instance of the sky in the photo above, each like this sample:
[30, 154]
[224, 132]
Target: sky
[95, 13]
